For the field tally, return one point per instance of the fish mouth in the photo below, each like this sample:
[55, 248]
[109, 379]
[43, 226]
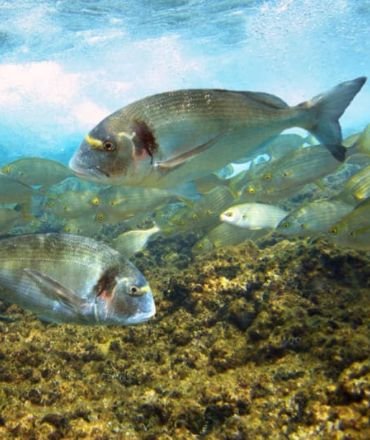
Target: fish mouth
[94, 172]
[144, 314]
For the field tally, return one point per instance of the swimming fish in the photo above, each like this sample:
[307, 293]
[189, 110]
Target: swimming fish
[71, 204]
[313, 218]
[173, 137]
[254, 216]
[131, 242]
[290, 173]
[13, 191]
[357, 188]
[37, 171]
[224, 235]
[202, 213]
[358, 218]
[119, 203]
[68, 278]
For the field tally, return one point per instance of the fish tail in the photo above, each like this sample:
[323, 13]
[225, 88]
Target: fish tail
[326, 109]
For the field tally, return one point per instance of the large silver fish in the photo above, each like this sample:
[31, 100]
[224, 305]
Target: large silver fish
[173, 137]
[68, 278]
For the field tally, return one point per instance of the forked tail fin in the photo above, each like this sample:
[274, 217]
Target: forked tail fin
[327, 108]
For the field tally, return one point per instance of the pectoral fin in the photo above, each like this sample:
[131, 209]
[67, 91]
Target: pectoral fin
[54, 290]
[174, 162]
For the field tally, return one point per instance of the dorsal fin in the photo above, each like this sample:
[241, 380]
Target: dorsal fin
[267, 99]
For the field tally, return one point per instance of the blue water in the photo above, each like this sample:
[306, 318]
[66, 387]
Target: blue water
[65, 65]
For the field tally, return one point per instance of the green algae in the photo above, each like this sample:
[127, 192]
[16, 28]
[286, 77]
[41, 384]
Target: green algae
[247, 343]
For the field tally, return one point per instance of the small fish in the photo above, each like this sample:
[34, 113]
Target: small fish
[358, 238]
[12, 191]
[356, 219]
[202, 213]
[286, 176]
[87, 224]
[174, 137]
[313, 218]
[254, 216]
[72, 204]
[68, 278]
[357, 187]
[131, 242]
[120, 203]
[35, 171]
[360, 142]
[225, 235]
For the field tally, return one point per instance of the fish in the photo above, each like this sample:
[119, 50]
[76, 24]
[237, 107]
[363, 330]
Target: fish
[286, 176]
[173, 137]
[119, 203]
[71, 204]
[14, 192]
[254, 216]
[357, 188]
[131, 242]
[203, 213]
[225, 235]
[313, 218]
[356, 219]
[66, 278]
[358, 238]
[37, 171]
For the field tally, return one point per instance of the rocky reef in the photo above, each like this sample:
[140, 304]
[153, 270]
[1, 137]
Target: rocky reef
[248, 343]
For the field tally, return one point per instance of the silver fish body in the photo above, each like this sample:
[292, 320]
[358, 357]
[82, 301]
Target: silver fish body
[68, 278]
[37, 171]
[173, 137]
[254, 216]
[313, 218]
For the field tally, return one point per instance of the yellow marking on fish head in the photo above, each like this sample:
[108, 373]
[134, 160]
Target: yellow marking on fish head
[95, 144]
[7, 169]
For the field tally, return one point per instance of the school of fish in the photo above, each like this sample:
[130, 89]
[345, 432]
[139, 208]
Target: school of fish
[213, 163]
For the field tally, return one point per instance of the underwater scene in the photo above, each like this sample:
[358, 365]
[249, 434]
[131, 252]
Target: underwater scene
[184, 219]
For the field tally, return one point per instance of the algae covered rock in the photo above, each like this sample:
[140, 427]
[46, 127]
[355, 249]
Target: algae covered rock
[248, 343]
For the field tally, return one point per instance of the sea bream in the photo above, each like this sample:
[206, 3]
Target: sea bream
[68, 278]
[173, 137]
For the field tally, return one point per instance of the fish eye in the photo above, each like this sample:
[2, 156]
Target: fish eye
[267, 176]
[228, 214]
[99, 217]
[334, 230]
[135, 291]
[285, 225]
[109, 145]
[95, 201]
[251, 190]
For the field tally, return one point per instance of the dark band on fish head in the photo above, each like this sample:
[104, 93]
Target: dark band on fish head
[105, 285]
[144, 140]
